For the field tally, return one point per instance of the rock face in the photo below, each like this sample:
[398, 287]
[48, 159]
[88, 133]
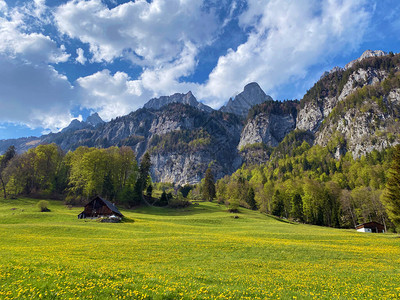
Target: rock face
[189, 99]
[328, 92]
[94, 120]
[251, 95]
[74, 125]
[355, 109]
[366, 54]
[272, 121]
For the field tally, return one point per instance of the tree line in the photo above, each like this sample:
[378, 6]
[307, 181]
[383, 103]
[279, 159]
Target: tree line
[77, 175]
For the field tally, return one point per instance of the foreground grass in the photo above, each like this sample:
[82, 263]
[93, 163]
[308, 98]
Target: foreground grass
[201, 252]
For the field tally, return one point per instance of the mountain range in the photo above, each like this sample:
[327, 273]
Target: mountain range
[353, 109]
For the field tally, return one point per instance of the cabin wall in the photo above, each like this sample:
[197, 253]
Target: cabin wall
[364, 230]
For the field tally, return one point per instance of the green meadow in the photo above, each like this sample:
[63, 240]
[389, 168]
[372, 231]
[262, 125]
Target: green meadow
[201, 252]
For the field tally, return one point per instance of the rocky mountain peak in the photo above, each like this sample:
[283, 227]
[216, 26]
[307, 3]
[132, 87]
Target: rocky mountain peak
[188, 98]
[366, 54]
[252, 95]
[94, 119]
[74, 125]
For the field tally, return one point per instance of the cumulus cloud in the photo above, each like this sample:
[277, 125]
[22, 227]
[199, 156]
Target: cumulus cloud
[149, 34]
[111, 95]
[32, 91]
[32, 47]
[81, 56]
[35, 95]
[286, 39]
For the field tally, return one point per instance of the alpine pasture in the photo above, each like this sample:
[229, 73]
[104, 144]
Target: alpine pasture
[201, 252]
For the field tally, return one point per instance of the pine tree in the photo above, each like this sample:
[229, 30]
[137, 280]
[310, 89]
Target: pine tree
[4, 160]
[149, 191]
[163, 199]
[144, 174]
[250, 199]
[297, 207]
[278, 206]
[209, 186]
[391, 196]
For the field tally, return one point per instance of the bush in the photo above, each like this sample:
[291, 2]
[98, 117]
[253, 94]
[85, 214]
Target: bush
[178, 203]
[43, 205]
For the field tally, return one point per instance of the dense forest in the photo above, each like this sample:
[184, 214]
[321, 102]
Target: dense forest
[309, 185]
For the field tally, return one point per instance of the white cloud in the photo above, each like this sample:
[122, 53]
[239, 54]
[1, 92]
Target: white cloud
[81, 56]
[34, 95]
[32, 91]
[150, 34]
[31, 47]
[3, 7]
[111, 95]
[287, 38]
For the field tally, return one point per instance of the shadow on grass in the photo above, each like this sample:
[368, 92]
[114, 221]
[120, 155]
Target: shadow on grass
[194, 209]
[282, 220]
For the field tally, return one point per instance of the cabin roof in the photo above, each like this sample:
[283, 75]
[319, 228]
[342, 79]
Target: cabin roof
[370, 225]
[111, 206]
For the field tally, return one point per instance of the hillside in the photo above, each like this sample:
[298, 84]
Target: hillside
[360, 103]
[199, 252]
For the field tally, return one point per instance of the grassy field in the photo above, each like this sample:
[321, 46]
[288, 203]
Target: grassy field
[201, 252]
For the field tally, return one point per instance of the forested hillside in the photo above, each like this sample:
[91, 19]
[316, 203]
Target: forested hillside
[309, 185]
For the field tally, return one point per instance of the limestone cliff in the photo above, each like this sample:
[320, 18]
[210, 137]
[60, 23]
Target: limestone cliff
[269, 123]
[355, 108]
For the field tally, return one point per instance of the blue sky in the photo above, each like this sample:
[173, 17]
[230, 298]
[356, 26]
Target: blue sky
[61, 60]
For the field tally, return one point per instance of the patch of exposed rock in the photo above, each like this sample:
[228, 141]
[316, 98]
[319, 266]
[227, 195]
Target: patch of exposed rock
[310, 117]
[188, 98]
[366, 54]
[269, 129]
[251, 95]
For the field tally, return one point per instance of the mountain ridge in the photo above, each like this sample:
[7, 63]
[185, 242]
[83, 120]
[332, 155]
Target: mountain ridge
[352, 110]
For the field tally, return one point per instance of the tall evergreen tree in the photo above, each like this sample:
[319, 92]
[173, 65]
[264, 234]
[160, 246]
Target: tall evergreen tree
[391, 196]
[250, 199]
[278, 206]
[4, 160]
[297, 207]
[209, 186]
[144, 174]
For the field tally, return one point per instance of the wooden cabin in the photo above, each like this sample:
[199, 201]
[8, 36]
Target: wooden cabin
[371, 227]
[100, 208]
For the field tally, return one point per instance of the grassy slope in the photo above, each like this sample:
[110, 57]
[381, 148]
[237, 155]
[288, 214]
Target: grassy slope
[201, 252]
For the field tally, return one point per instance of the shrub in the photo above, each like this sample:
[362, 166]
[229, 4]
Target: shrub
[43, 205]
